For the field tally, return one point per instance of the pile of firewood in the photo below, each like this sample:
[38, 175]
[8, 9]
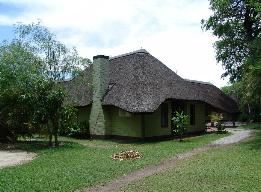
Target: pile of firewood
[124, 155]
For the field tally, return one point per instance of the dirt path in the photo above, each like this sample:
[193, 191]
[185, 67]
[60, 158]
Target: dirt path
[14, 157]
[237, 135]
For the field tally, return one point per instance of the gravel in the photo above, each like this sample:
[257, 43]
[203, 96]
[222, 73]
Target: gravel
[14, 157]
[237, 135]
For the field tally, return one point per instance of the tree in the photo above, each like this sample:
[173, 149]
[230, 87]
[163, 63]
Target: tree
[248, 102]
[19, 72]
[237, 25]
[180, 122]
[32, 66]
[59, 62]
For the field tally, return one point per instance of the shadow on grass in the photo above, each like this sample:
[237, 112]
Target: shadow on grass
[146, 141]
[155, 140]
[134, 142]
[39, 146]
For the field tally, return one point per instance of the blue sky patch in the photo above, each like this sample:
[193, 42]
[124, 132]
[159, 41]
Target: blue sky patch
[10, 9]
[6, 32]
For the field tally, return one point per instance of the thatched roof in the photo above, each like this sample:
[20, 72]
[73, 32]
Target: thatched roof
[139, 82]
[79, 89]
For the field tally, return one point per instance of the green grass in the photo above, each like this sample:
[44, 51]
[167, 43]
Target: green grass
[234, 168]
[252, 126]
[83, 163]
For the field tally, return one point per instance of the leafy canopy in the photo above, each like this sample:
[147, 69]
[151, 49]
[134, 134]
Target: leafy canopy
[59, 62]
[237, 25]
[31, 66]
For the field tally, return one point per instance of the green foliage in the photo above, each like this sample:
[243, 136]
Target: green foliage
[58, 60]
[248, 101]
[180, 122]
[220, 127]
[71, 126]
[31, 66]
[68, 118]
[217, 117]
[237, 25]
[80, 130]
[19, 71]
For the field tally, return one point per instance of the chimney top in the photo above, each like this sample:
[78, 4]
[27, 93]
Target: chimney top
[100, 56]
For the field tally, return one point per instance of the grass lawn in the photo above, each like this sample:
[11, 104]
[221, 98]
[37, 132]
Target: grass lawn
[83, 163]
[256, 126]
[233, 168]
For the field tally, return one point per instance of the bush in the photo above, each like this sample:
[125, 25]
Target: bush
[5, 134]
[70, 124]
[220, 127]
[80, 130]
[217, 117]
[180, 121]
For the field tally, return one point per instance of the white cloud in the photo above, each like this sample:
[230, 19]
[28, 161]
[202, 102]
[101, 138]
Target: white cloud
[168, 29]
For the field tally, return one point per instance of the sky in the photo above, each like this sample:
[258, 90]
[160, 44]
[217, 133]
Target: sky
[170, 30]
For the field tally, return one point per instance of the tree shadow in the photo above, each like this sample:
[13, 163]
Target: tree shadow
[36, 146]
[155, 140]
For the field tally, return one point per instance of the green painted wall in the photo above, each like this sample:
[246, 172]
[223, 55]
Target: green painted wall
[118, 124]
[199, 116]
[153, 123]
[100, 84]
[153, 120]
[114, 123]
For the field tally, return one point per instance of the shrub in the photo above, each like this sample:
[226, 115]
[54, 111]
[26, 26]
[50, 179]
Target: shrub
[70, 124]
[180, 122]
[80, 130]
[217, 117]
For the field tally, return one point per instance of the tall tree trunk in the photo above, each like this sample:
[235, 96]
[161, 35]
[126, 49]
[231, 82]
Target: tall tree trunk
[249, 112]
[55, 130]
[56, 143]
[50, 134]
[50, 139]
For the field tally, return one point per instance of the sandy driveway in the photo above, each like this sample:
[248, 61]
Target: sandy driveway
[14, 157]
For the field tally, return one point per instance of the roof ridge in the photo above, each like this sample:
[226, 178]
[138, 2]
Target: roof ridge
[130, 53]
[199, 82]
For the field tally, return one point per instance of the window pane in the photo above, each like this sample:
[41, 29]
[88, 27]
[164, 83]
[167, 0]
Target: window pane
[164, 115]
[192, 114]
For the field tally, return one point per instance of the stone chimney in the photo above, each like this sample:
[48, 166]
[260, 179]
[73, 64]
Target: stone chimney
[100, 83]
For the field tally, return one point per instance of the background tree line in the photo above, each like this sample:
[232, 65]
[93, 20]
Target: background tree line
[31, 98]
[237, 24]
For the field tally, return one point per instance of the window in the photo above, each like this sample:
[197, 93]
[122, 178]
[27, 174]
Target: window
[164, 115]
[192, 114]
